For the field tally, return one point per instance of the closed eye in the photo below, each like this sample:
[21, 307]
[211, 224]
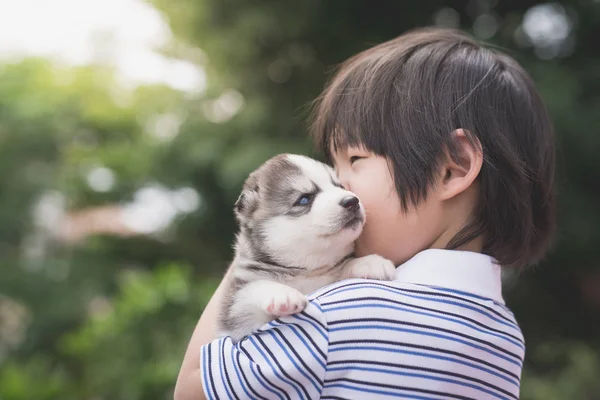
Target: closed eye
[353, 159]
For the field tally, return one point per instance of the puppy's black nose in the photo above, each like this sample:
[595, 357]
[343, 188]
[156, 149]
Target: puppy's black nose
[350, 203]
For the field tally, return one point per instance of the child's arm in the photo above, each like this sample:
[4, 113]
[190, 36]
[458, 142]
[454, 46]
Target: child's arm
[286, 359]
[189, 382]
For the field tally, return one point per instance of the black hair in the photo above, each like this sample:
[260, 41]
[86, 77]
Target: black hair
[403, 99]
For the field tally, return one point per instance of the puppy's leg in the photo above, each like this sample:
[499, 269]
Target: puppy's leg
[259, 302]
[369, 267]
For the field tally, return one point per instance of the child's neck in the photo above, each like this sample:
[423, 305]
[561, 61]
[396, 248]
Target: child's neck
[458, 213]
[475, 245]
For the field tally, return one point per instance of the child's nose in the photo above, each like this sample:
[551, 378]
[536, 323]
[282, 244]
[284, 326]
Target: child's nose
[346, 185]
[344, 181]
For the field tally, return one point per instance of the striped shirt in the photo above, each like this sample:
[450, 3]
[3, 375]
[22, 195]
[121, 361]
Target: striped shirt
[440, 330]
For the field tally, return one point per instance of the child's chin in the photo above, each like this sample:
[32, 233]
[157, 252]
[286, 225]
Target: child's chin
[361, 248]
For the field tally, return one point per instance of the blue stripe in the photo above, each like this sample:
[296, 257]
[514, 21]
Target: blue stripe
[303, 340]
[427, 355]
[424, 376]
[281, 378]
[237, 372]
[318, 305]
[467, 294]
[221, 364]
[259, 379]
[395, 394]
[317, 327]
[293, 361]
[430, 315]
[432, 298]
[206, 381]
[389, 328]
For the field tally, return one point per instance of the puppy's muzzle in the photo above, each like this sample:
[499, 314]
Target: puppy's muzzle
[350, 203]
[353, 214]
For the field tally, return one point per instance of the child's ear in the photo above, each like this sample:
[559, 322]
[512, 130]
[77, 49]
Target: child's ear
[462, 164]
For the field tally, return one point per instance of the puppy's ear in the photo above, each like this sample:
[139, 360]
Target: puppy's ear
[246, 203]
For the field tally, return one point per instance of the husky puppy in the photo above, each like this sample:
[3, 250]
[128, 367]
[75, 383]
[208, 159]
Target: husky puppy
[297, 231]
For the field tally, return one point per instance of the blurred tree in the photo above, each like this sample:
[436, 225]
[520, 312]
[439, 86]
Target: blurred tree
[282, 54]
[108, 316]
[59, 127]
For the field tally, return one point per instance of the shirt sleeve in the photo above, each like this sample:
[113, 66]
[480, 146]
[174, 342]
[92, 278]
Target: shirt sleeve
[284, 360]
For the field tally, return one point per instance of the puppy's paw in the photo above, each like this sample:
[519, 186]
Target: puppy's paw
[370, 267]
[284, 300]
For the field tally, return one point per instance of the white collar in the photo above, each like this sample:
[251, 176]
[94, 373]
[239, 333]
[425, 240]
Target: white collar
[464, 271]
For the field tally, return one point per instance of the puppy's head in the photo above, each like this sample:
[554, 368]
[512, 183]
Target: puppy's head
[294, 212]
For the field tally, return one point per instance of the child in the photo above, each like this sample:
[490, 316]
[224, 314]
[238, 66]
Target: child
[450, 149]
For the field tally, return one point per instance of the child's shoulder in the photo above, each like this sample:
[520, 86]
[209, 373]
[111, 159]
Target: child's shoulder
[366, 296]
[355, 287]
[407, 301]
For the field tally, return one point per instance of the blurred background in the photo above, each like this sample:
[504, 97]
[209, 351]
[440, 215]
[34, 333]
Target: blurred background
[126, 131]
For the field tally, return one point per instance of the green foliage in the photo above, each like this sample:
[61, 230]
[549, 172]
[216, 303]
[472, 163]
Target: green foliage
[110, 317]
[33, 379]
[571, 373]
[143, 327]
[126, 347]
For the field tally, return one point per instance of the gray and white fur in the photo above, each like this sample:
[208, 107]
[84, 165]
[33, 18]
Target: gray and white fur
[297, 231]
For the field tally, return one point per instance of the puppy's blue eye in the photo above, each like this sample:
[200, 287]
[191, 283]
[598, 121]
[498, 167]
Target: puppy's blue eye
[304, 200]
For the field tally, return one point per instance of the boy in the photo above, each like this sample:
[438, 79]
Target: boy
[451, 151]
